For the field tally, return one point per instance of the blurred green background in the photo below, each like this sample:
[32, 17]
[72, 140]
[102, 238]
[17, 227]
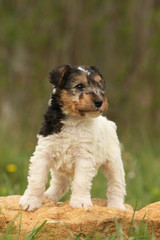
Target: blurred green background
[122, 38]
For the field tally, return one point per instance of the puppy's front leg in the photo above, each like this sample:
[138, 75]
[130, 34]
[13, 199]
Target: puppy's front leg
[113, 170]
[81, 185]
[59, 185]
[38, 173]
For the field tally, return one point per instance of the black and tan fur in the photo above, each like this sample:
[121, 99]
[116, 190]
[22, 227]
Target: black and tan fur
[78, 93]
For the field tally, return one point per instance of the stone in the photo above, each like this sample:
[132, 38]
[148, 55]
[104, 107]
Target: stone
[65, 222]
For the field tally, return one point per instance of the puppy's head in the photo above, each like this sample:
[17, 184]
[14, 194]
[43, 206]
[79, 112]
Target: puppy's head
[81, 90]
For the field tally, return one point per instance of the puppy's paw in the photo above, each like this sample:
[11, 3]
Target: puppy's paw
[79, 202]
[120, 206]
[51, 195]
[30, 203]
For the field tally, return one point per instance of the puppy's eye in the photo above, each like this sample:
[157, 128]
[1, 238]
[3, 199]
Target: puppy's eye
[80, 86]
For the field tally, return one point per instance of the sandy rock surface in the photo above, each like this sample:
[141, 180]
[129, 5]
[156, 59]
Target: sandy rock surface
[65, 222]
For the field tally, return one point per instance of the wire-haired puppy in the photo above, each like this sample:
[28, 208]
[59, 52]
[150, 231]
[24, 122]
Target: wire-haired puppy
[74, 141]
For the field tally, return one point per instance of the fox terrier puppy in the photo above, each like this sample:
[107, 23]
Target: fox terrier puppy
[74, 141]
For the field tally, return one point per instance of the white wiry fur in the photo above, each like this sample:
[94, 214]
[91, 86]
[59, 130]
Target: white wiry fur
[76, 153]
[84, 70]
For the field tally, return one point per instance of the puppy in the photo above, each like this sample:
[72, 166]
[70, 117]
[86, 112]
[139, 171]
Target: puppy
[74, 141]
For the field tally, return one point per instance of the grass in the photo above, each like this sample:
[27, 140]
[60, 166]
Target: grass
[139, 232]
[141, 165]
[11, 233]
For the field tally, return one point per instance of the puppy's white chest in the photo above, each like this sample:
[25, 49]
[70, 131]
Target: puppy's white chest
[65, 150]
[70, 144]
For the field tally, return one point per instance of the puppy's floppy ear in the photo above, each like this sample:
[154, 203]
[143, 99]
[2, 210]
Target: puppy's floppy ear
[57, 77]
[96, 70]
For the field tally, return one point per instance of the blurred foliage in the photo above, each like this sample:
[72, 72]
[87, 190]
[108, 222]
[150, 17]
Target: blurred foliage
[122, 38]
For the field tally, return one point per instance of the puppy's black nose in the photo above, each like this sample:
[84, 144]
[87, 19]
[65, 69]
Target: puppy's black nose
[98, 103]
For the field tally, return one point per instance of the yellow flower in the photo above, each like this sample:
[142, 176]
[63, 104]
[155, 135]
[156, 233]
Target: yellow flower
[11, 168]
